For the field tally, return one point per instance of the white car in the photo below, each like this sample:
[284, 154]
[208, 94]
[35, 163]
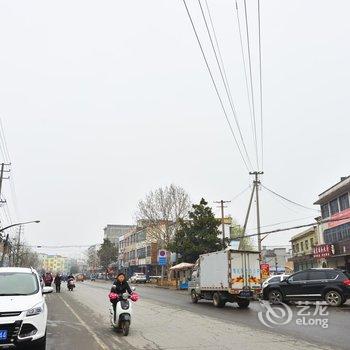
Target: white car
[274, 278]
[138, 277]
[23, 310]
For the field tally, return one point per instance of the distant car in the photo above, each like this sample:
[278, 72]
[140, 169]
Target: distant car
[138, 277]
[273, 279]
[330, 285]
[23, 310]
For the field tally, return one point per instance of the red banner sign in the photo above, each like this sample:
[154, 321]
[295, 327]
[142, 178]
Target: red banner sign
[265, 270]
[323, 250]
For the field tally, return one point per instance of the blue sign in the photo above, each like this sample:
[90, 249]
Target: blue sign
[3, 335]
[162, 261]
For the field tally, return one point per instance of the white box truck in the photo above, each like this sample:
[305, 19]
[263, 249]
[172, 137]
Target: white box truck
[226, 276]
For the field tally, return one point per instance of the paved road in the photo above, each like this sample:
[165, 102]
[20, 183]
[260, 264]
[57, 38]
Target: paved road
[165, 319]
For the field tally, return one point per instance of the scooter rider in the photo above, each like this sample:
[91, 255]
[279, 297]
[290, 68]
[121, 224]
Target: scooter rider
[119, 287]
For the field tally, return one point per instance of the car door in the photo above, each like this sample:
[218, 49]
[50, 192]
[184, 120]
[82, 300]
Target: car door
[294, 286]
[315, 284]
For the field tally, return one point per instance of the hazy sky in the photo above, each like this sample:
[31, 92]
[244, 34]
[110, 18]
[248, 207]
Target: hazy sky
[103, 101]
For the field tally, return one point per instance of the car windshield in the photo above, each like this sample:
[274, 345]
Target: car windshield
[18, 283]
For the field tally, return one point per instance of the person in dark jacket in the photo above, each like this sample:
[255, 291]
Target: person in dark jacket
[120, 286]
[58, 281]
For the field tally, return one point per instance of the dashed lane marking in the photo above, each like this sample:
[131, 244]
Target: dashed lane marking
[93, 334]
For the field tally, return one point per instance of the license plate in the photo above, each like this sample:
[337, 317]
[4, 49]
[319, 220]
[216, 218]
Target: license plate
[245, 294]
[3, 335]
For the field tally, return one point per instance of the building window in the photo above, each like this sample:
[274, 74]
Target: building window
[306, 245]
[325, 211]
[344, 201]
[297, 247]
[311, 242]
[334, 206]
[141, 253]
[149, 250]
[301, 246]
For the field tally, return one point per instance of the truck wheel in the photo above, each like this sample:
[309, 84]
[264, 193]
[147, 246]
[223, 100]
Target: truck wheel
[217, 300]
[194, 297]
[243, 304]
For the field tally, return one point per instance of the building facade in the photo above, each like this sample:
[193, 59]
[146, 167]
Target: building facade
[276, 258]
[138, 252]
[303, 245]
[113, 232]
[55, 263]
[334, 249]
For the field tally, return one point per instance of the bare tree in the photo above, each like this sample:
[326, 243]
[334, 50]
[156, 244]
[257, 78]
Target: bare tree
[161, 210]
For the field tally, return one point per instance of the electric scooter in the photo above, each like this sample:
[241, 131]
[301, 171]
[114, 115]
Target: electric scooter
[123, 316]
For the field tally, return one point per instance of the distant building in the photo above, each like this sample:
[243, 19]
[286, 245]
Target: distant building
[334, 247]
[55, 263]
[276, 258]
[113, 232]
[303, 245]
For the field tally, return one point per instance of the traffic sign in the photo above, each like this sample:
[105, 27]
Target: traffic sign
[162, 257]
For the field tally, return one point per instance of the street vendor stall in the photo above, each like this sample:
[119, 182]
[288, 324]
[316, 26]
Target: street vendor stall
[182, 274]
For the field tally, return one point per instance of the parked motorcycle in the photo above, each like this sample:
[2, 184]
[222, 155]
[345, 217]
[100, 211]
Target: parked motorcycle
[123, 316]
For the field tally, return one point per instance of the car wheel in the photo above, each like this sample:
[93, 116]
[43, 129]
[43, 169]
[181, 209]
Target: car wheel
[217, 300]
[194, 297]
[334, 298]
[243, 304]
[275, 297]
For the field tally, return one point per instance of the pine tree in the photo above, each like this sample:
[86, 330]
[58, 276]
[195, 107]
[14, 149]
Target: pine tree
[198, 235]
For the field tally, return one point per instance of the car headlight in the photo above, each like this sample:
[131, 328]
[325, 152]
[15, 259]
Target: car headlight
[36, 310]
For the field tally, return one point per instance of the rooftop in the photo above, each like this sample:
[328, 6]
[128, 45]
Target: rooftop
[336, 190]
[303, 233]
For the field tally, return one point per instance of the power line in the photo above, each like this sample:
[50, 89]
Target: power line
[240, 193]
[251, 80]
[245, 70]
[214, 84]
[261, 89]
[222, 72]
[282, 222]
[289, 200]
[294, 227]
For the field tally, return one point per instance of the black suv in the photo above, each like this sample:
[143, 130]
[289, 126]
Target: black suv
[330, 285]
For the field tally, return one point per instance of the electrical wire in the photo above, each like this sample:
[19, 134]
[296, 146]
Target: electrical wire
[240, 193]
[214, 84]
[245, 71]
[222, 71]
[251, 81]
[289, 200]
[261, 90]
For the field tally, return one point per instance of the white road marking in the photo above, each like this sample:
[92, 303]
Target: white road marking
[93, 334]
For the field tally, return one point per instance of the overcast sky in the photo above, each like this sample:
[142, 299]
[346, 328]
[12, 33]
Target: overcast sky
[103, 101]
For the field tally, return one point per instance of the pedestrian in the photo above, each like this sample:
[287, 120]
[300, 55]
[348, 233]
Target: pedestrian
[58, 281]
[48, 279]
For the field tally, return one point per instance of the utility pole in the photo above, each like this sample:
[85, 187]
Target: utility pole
[18, 245]
[256, 185]
[222, 205]
[4, 250]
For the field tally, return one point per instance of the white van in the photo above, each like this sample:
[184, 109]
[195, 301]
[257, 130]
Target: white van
[23, 310]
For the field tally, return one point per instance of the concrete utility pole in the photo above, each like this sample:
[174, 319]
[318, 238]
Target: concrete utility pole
[4, 251]
[222, 206]
[18, 244]
[256, 183]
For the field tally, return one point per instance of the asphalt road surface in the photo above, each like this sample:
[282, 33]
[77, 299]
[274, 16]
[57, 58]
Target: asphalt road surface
[166, 319]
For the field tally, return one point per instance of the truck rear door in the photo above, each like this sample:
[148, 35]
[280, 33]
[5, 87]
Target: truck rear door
[245, 272]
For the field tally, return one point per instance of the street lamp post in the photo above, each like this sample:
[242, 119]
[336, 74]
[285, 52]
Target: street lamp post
[7, 237]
